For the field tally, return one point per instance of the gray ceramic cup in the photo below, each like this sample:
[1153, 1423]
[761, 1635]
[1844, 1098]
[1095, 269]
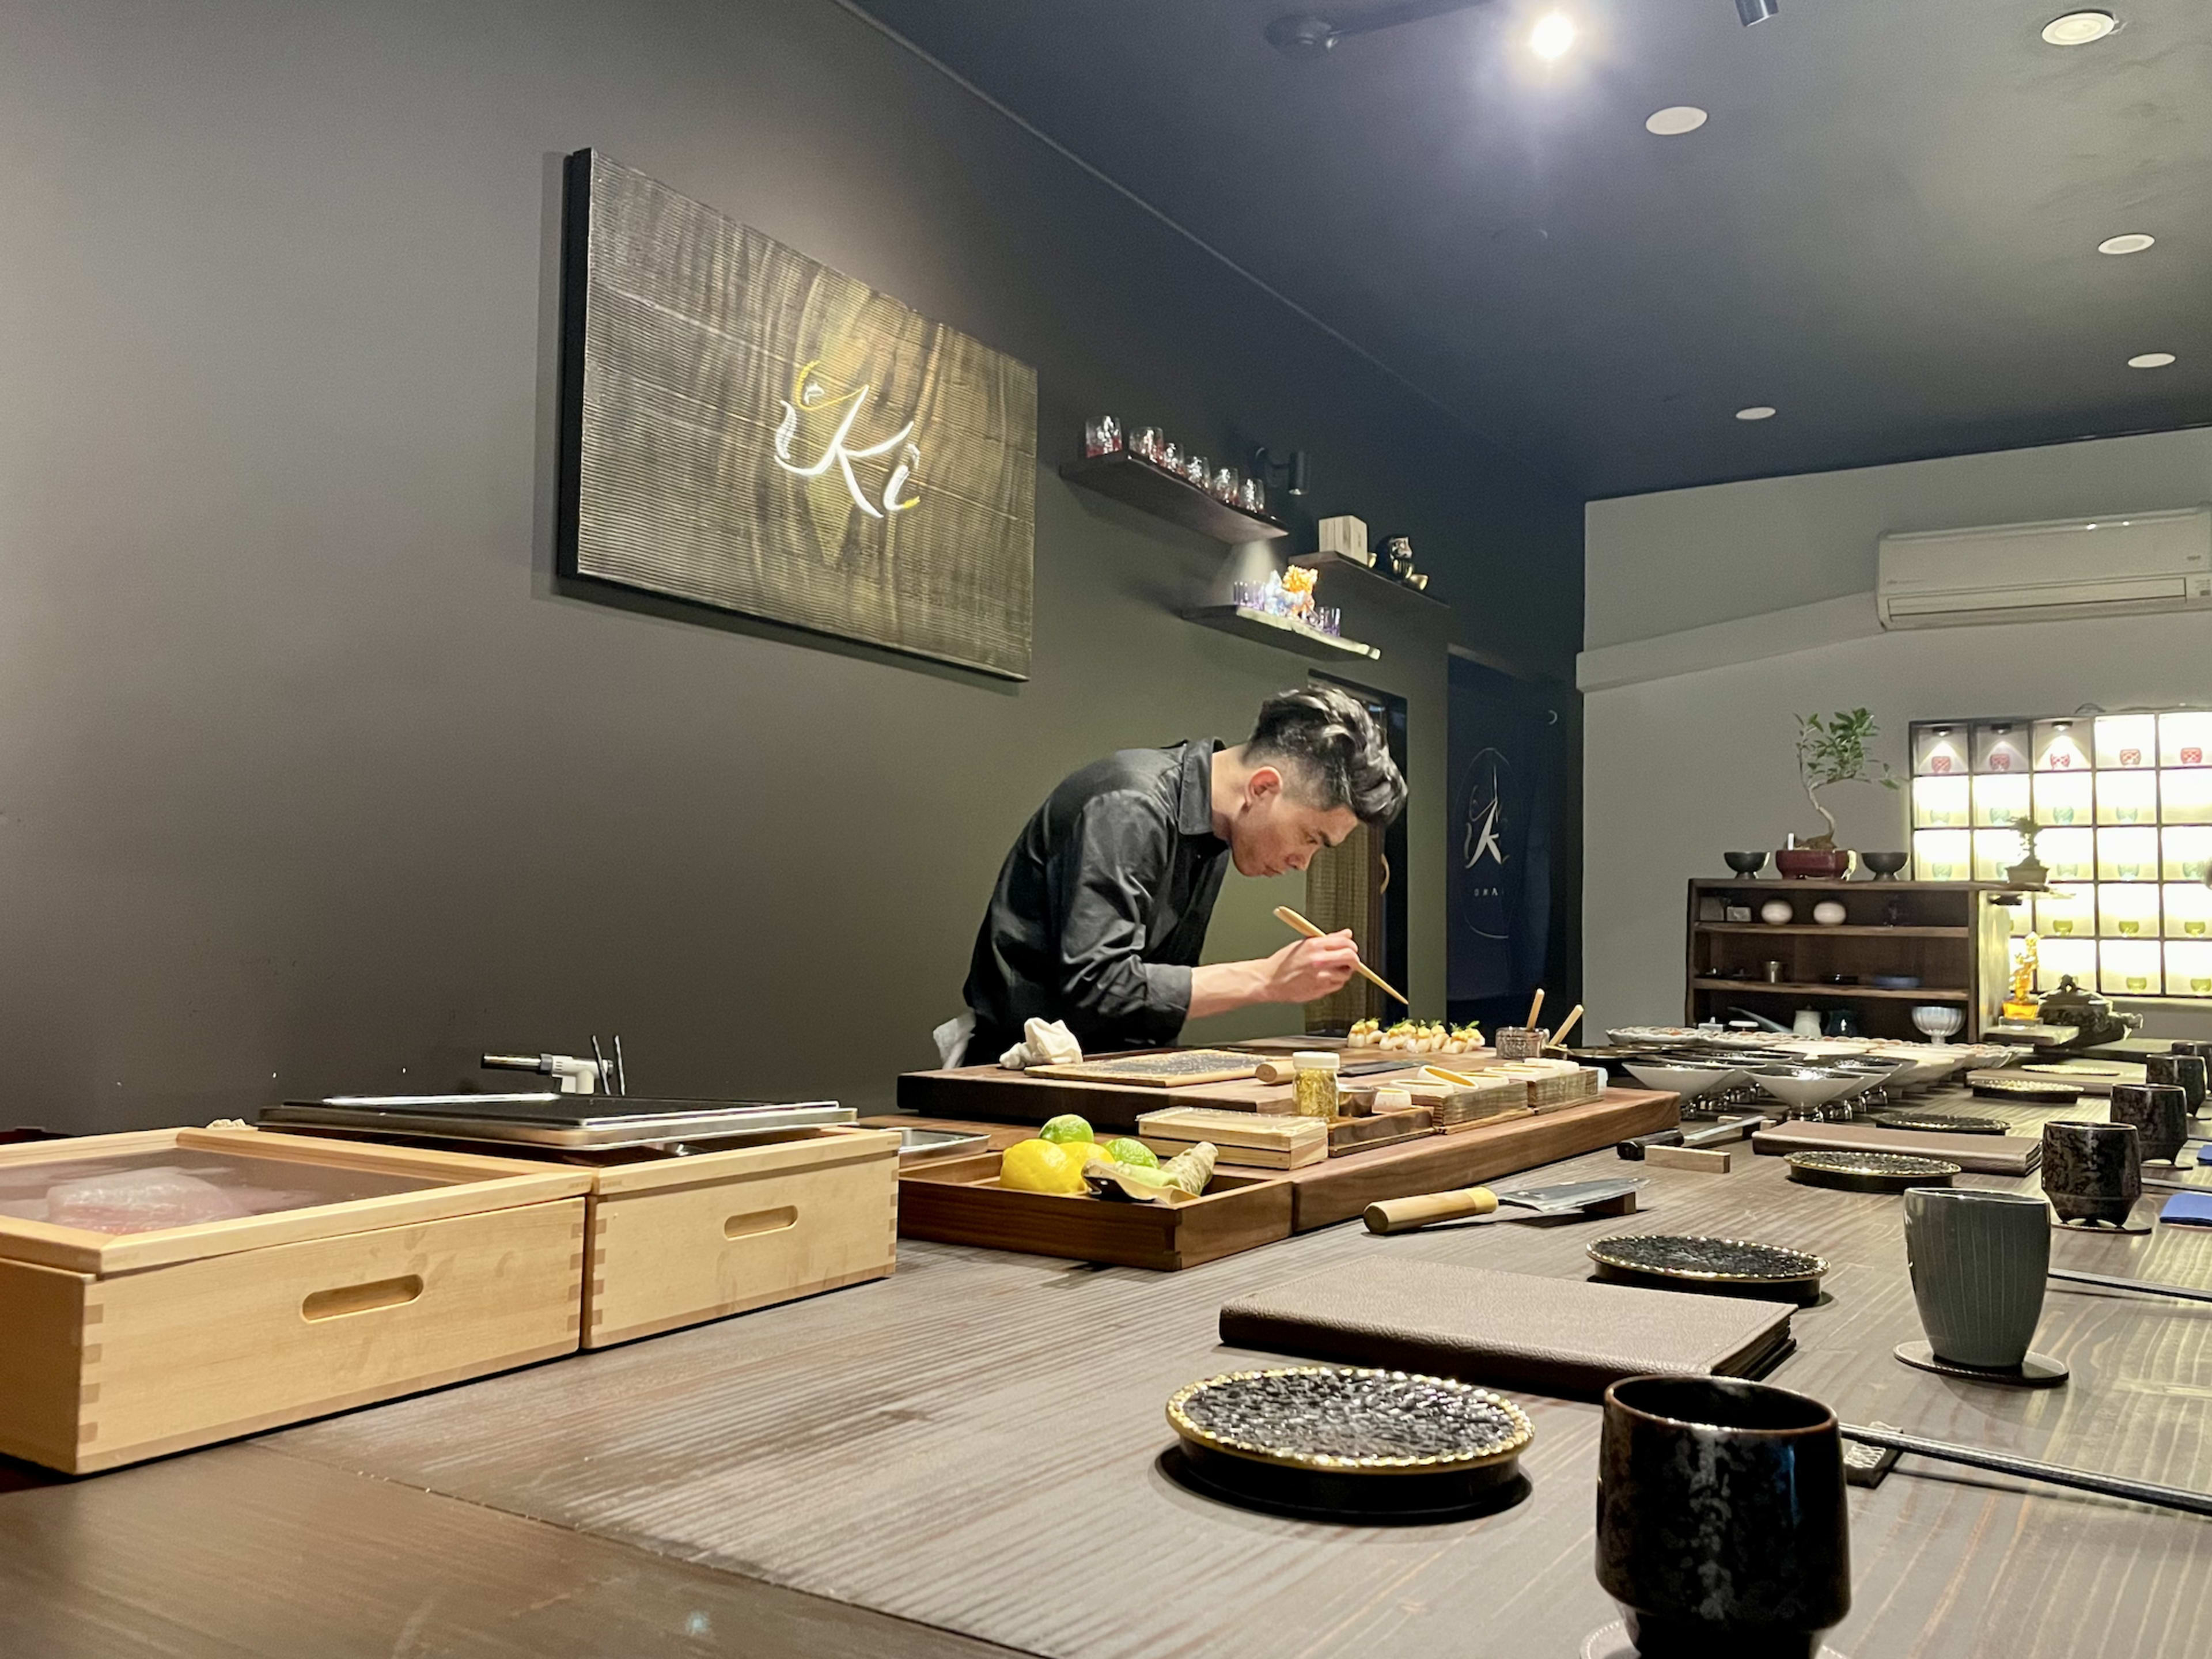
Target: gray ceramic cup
[2182, 1071]
[2159, 1112]
[1978, 1262]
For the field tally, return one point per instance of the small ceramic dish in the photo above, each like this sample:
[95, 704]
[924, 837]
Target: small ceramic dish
[1715, 1266]
[1870, 1172]
[1942, 1123]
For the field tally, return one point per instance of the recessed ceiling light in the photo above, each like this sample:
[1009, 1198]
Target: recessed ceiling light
[2151, 359]
[1756, 412]
[1554, 34]
[1675, 119]
[2079, 28]
[2134, 242]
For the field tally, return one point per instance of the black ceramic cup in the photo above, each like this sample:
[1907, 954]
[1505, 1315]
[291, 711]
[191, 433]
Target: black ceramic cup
[2181, 1071]
[2159, 1112]
[2091, 1172]
[1721, 1524]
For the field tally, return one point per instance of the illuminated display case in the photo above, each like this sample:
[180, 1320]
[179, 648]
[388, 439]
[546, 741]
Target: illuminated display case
[2124, 806]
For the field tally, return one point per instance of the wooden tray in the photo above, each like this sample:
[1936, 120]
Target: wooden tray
[1159, 1068]
[120, 1347]
[994, 1094]
[958, 1200]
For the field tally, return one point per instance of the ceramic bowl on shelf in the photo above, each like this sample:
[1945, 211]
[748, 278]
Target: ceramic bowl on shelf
[1776, 913]
[1894, 982]
[1885, 866]
[1746, 864]
[1938, 1023]
[1807, 1091]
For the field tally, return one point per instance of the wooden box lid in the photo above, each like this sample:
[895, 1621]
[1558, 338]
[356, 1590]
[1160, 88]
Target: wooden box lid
[345, 1187]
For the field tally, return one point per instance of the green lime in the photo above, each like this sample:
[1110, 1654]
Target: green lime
[1066, 1127]
[1133, 1152]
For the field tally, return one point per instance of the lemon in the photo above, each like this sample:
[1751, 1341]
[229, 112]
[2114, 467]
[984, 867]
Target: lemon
[1126, 1150]
[1039, 1166]
[1065, 1128]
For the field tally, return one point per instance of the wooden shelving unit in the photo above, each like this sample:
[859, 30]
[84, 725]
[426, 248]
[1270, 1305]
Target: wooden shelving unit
[1364, 578]
[1270, 630]
[1953, 936]
[1164, 494]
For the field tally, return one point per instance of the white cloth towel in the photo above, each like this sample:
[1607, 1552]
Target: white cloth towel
[952, 1039]
[1044, 1043]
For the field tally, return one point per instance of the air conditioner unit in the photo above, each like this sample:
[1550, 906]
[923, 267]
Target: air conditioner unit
[2115, 567]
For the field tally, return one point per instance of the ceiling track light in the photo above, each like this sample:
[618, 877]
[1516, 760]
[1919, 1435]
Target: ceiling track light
[1756, 11]
[1305, 35]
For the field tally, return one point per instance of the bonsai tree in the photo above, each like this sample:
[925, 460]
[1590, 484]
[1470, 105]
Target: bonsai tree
[1833, 751]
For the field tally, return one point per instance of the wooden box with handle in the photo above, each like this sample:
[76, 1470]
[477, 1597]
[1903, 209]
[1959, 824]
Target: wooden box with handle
[169, 1288]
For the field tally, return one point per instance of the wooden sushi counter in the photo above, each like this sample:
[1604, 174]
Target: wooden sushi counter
[963, 1460]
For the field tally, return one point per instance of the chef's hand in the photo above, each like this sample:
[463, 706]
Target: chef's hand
[1307, 970]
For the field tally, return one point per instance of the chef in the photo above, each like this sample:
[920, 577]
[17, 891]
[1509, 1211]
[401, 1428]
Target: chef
[1101, 908]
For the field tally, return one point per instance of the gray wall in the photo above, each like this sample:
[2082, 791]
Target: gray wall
[1681, 767]
[311, 779]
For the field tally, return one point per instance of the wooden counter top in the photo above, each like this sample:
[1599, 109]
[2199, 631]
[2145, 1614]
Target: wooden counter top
[901, 1451]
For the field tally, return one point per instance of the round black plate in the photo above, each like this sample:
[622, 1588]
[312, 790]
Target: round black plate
[1870, 1172]
[1944, 1123]
[1715, 1266]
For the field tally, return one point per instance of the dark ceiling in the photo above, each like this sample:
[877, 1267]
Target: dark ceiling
[1887, 231]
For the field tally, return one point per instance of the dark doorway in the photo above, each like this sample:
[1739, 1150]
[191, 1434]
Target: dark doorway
[1511, 909]
[1361, 886]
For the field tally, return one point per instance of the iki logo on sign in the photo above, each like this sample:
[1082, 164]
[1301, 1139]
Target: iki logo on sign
[1482, 834]
[811, 406]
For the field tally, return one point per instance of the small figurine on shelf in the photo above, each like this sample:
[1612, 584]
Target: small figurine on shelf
[2021, 1003]
[1298, 584]
[1397, 556]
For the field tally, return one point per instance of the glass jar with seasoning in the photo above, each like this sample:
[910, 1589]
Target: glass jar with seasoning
[1314, 1074]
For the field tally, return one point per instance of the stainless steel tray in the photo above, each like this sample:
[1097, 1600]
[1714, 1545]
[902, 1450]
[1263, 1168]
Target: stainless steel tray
[919, 1145]
[574, 1122]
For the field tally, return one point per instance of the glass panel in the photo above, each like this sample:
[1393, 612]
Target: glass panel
[2071, 853]
[2188, 910]
[2128, 967]
[2185, 739]
[1939, 750]
[2064, 798]
[2067, 912]
[1943, 854]
[2000, 801]
[2187, 852]
[2127, 854]
[2127, 798]
[2126, 910]
[179, 1187]
[2186, 797]
[1942, 803]
[2188, 970]
[2062, 956]
[2058, 746]
[1995, 851]
[2000, 746]
[2128, 740]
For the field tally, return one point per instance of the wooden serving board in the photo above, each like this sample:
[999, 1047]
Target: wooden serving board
[1375, 1130]
[958, 1200]
[992, 1094]
[1163, 1069]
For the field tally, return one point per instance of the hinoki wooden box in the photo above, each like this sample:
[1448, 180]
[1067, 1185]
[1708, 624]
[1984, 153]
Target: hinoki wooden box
[362, 1273]
[675, 1241]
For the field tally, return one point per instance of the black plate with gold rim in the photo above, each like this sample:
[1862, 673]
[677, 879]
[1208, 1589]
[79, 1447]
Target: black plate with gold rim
[1870, 1172]
[2028, 1090]
[1710, 1266]
[1346, 1443]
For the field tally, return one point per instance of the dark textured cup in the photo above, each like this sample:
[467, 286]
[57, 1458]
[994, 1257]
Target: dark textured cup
[2159, 1112]
[2091, 1171]
[2180, 1071]
[1978, 1260]
[1721, 1524]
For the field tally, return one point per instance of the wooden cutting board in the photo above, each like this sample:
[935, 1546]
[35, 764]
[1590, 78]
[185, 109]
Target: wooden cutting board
[1243, 1138]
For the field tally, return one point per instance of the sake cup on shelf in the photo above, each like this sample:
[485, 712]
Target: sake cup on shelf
[1720, 1522]
[1978, 1260]
[2091, 1172]
[2159, 1113]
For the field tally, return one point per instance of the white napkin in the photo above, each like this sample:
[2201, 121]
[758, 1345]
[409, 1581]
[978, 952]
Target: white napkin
[952, 1039]
[1044, 1043]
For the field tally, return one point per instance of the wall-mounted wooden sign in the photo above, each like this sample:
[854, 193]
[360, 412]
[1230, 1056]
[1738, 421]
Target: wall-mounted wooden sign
[744, 428]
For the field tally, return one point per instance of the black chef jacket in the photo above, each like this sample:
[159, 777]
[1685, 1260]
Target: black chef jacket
[1101, 907]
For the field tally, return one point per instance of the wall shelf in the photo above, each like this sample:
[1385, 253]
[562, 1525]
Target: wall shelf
[1279, 631]
[1164, 494]
[1922, 994]
[1364, 578]
[1846, 930]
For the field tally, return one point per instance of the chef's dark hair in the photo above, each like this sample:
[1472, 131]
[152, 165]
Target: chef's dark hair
[1331, 753]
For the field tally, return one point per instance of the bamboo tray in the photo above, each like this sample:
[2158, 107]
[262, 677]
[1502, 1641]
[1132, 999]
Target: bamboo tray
[959, 1201]
[121, 1346]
